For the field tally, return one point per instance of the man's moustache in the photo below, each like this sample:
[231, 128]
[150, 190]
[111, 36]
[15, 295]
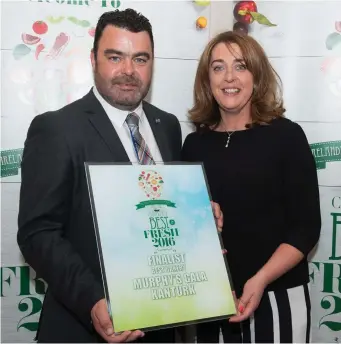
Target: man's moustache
[130, 81]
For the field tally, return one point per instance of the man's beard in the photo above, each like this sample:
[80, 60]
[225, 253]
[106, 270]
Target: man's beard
[119, 98]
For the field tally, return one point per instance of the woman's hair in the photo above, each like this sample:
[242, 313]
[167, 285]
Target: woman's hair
[266, 100]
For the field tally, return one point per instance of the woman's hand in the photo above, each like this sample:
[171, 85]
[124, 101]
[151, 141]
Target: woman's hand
[283, 259]
[249, 301]
[218, 216]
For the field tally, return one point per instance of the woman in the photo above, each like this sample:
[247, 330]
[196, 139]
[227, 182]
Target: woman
[261, 171]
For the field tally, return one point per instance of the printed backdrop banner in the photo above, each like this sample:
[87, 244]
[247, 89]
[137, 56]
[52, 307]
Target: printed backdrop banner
[45, 49]
[304, 47]
[45, 54]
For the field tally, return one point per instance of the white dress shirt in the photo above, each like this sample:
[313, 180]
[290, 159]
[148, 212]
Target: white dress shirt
[118, 119]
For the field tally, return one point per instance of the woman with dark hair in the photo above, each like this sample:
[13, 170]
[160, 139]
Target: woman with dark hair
[261, 171]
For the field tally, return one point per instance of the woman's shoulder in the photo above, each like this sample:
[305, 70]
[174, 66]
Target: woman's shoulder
[197, 143]
[283, 123]
[196, 136]
[283, 126]
[288, 134]
[191, 137]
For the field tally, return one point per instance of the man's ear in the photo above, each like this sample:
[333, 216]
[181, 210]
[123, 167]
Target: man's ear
[93, 59]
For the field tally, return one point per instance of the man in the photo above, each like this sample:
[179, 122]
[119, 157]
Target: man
[110, 123]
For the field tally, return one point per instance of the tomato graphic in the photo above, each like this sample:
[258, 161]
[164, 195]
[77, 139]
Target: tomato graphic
[244, 6]
[40, 27]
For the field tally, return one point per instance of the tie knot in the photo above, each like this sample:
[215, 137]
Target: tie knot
[133, 119]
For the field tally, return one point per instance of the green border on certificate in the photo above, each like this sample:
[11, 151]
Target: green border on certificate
[160, 252]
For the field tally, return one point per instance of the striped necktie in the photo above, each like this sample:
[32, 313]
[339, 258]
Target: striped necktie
[141, 149]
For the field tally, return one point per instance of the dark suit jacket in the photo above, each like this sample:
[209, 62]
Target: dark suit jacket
[56, 234]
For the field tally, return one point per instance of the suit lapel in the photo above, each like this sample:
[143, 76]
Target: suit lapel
[159, 129]
[101, 122]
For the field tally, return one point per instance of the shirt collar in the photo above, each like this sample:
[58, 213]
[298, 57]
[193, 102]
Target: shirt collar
[117, 116]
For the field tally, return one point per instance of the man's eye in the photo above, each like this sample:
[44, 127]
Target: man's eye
[114, 58]
[140, 60]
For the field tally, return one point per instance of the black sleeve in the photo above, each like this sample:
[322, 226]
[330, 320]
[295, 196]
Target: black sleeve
[187, 151]
[193, 151]
[178, 139]
[44, 206]
[302, 202]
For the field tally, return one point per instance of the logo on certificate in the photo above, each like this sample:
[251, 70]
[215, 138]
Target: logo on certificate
[151, 182]
[162, 230]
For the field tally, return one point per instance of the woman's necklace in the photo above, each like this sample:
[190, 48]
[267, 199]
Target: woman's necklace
[228, 138]
[229, 134]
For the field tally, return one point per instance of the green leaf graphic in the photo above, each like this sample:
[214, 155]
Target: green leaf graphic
[20, 51]
[261, 19]
[54, 20]
[84, 23]
[332, 40]
[73, 20]
[332, 325]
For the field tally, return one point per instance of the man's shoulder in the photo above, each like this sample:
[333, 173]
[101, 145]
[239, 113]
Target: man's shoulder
[164, 115]
[65, 116]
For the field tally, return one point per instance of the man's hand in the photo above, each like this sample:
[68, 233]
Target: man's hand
[218, 215]
[103, 325]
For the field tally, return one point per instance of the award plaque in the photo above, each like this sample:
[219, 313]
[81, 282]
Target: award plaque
[160, 252]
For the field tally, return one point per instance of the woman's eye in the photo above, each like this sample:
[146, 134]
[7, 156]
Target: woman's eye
[241, 67]
[217, 68]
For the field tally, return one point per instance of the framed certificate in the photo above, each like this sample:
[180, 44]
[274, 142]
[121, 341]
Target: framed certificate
[160, 252]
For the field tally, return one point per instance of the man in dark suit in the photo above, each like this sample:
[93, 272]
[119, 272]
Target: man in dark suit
[112, 123]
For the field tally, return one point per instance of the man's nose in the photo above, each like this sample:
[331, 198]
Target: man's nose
[128, 67]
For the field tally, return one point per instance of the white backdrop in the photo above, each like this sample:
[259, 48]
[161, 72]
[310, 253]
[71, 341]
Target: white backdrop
[305, 49]
[44, 71]
[34, 81]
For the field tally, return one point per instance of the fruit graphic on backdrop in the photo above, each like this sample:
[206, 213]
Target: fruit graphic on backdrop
[245, 13]
[92, 31]
[331, 65]
[55, 20]
[333, 40]
[20, 51]
[30, 39]
[242, 11]
[59, 45]
[201, 23]
[39, 49]
[202, 2]
[40, 27]
[241, 27]
[338, 26]
[41, 45]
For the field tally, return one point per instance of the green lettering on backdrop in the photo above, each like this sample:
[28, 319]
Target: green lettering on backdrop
[326, 152]
[336, 235]
[17, 281]
[331, 275]
[10, 162]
